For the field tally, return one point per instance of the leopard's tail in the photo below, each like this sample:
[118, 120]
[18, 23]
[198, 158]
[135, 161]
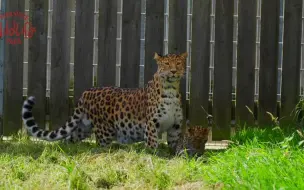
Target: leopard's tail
[54, 135]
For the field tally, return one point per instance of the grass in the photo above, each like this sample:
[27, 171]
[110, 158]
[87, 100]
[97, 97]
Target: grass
[258, 159]
[36, 165]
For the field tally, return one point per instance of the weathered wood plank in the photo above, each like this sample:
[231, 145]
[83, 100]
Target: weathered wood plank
[246, 58]
[2, 60]
[83, 52]
[291, 59]
[154, 39]
[223, 69]
[37, 58]
[269, 61]
[13, 71]
[177, 42]
[130, 45]
[59, 102]
[200, 59]
[107, 43]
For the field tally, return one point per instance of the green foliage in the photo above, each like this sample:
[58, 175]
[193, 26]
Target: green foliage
[298, 113]
[255, 166]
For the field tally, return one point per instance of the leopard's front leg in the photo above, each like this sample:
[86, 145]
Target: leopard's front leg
[174, 133]
[151, 133]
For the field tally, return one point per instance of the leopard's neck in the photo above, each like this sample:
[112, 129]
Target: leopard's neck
[163, 87]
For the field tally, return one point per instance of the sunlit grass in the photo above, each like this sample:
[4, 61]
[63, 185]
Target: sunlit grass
[257, 159]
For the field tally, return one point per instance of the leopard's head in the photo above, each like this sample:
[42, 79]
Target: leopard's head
[171, 67]
[198, 135]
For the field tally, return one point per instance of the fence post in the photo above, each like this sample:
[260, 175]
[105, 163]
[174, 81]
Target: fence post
[246, 58]
[291, 59]
[84, 33]
[13, 70]
[107, 33]
[130, 44]
[269, 61]
[2, 46]
[60, 66]
[37, 58]
[154, 37]
[200, 59]
[223, 54]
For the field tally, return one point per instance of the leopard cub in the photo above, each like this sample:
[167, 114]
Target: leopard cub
[193, 142]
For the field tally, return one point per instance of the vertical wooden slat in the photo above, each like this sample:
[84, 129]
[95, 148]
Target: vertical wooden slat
[2, 59]
[59, 102]
[83, 56]
[37, 58]
[269, 61]
[13, 71]
[223, 69]
[200, 59]
[178, 36]
[107, 33]
[154, 38]
[291, 58]
[246, 61]
[130, 44]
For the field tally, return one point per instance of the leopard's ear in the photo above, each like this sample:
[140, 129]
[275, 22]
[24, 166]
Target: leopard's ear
[156, 56]
[184, 55]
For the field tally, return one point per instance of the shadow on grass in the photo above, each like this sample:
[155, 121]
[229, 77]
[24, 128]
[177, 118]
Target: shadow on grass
[36, 148]
[26, 147]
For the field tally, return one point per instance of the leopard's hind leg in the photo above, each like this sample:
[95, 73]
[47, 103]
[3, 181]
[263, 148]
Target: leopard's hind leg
[104, 134]
[83, 130]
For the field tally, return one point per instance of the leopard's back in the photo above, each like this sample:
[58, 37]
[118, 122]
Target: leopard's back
[118, 113]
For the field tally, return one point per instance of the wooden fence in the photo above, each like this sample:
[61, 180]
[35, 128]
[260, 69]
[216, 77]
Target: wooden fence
[59, 105]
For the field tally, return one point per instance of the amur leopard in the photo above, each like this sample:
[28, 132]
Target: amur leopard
[194, 140]
[122, 114]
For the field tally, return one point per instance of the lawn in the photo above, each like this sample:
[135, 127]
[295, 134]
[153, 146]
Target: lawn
[257, 159]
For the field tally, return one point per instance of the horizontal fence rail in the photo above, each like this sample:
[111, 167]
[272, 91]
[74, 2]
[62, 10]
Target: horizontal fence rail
[245, 58]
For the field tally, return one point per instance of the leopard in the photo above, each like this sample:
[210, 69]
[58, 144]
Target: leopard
[125, 115]
[193, 141]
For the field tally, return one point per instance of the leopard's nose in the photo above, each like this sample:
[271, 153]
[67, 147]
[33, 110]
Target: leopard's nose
[173, 72]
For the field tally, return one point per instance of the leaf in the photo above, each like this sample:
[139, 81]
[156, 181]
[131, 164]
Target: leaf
[271, 116]
[300, 133]
[276, 128]
[290, 138]
[301, 143]
[250, 111]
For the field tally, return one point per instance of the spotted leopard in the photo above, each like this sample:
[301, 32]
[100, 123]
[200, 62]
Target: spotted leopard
[194, 140]
[123, 114]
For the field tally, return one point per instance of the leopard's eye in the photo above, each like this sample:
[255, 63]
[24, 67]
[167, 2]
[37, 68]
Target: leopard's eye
[166, 63]
[178, 63]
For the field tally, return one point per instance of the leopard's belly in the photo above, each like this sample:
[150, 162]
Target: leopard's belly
[132, 134]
